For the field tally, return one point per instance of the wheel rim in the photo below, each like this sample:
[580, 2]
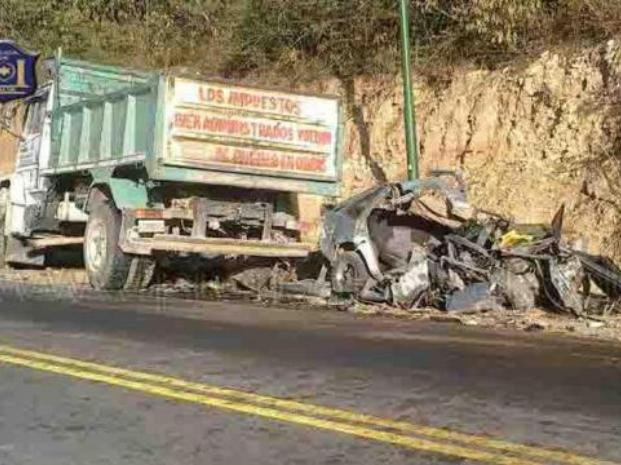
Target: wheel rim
[349, 276]
[96, 241]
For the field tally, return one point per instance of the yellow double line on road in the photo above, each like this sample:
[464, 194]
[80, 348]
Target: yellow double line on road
[408, 435]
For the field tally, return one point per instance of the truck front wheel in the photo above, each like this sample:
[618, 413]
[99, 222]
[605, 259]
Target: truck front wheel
[107, 266]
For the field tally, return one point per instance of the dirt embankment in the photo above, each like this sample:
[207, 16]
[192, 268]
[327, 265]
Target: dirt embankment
[528, 138]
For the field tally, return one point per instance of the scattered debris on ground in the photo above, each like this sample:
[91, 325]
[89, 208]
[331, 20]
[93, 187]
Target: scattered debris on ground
[63, 282]
[46, 276]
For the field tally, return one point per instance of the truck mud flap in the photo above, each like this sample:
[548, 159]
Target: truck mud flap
[20, 253]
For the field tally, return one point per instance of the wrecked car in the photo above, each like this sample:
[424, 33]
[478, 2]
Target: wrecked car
[420, 243]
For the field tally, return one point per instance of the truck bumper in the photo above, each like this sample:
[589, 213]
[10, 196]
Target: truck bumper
[216, 246]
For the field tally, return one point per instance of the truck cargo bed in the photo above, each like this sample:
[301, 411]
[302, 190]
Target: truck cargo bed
[103, 116]
[187, 130]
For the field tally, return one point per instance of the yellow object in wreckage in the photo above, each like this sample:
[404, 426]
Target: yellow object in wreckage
[514, 238]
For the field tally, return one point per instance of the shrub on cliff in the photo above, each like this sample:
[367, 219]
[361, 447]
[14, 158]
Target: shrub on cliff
[337, 37]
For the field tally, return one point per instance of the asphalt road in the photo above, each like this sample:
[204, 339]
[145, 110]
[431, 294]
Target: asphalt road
[236, 383]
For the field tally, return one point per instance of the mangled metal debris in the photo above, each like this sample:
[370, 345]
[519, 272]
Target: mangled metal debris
[419, 243]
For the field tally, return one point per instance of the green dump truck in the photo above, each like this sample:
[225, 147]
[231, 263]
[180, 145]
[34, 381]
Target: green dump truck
[139, 165]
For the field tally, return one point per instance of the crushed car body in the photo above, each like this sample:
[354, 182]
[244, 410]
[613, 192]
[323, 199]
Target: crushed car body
[418, 244]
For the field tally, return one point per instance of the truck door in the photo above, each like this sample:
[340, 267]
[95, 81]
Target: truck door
[28, 190]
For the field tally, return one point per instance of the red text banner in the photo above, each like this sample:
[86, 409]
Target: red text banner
[229, 157]
[214, 125]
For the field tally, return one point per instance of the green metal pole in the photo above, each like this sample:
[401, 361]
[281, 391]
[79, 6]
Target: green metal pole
[411, 140]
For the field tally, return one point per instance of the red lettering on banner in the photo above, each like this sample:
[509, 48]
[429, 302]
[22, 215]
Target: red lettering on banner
[187, 121]
[263, 102]
[209, 94]
[235, 127]
[267, 159]
[315, 137]
[310, 164]
[226, 126]
[255, 158]
[288, 162]
[194, 122]
[221, 154]
[275, 132]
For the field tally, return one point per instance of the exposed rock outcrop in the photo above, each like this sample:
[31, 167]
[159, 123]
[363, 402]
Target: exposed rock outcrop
[528, 139]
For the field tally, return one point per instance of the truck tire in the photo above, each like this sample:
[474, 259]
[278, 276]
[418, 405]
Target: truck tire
[106, 265]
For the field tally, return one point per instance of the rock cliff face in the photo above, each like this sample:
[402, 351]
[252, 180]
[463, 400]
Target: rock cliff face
[528, 139]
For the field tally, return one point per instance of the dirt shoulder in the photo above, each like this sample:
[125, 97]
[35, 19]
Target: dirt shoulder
[535, 320]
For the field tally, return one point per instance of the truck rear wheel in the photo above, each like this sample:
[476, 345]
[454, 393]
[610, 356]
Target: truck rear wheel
[107, 266]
